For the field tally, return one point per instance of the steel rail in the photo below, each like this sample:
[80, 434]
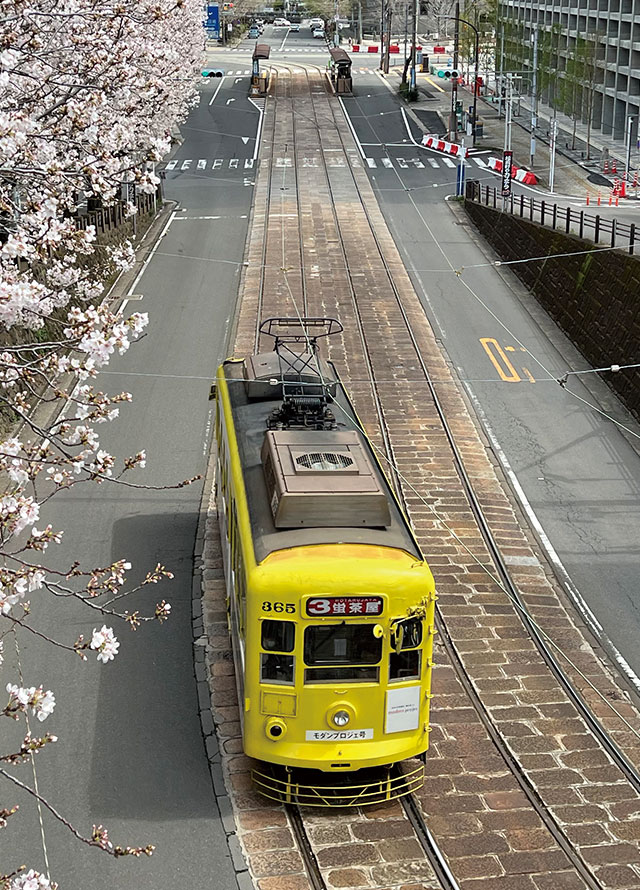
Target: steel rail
[263, 266]
[306, 850]
[412, 809]
[428, 843]
[384, 430]
[510, 760]
[620, 759]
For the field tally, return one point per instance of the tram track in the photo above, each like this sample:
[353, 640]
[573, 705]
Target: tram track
[366, 333]
[410, 805]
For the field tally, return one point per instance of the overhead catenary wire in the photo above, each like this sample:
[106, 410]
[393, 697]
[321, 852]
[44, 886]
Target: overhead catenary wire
[520, 607]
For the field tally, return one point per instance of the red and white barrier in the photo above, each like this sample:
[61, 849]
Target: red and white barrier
[517, 173]
[355, 48]
[372, 49]
[449, 148]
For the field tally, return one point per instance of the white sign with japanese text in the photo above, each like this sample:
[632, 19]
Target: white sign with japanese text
[403, 709]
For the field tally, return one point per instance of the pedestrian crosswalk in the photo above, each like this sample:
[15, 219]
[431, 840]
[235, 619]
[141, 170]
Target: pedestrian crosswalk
[287, 49]
[241, 72]
[216, 165]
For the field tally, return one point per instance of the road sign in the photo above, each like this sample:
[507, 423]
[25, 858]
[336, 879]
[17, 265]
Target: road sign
[212, 23]
[507, 164]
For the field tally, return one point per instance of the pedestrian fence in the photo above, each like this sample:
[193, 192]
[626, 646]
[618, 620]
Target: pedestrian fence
[592, 227]
[106, 219]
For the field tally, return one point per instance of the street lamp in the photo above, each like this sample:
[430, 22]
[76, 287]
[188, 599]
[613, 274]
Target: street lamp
[476, 66]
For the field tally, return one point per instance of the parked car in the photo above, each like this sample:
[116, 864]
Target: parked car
[318, 32]
[295, 26]
[281, 23]
[316, 23]
[254, 32]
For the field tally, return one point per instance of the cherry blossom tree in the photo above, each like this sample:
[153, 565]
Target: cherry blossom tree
[89, 93]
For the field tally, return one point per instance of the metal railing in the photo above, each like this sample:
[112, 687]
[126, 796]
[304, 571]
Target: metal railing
[592, 227]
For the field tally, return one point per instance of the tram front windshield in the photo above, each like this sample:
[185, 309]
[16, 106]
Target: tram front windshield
[341, 644]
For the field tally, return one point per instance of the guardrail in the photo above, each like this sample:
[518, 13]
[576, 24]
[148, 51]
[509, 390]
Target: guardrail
[595, 228]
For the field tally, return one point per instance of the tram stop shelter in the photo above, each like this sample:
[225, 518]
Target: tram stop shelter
[259, 79]
[340, 70]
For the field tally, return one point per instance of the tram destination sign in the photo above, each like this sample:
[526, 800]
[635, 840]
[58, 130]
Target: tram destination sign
[345, 605]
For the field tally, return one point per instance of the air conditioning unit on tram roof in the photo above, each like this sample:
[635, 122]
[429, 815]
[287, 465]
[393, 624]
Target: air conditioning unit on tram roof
[322, 479]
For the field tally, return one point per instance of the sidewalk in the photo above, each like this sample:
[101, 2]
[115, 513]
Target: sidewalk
[573, 176]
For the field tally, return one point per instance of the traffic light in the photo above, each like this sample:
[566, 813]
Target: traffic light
[451, 74]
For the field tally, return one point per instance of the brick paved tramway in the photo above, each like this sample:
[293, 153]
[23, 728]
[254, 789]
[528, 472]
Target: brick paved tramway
[502, 793]
[343, 229]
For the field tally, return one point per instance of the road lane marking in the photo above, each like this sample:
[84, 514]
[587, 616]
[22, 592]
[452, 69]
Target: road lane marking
[386, 162]
[351, 127]
[499, 360]
[202, 164]
[259, 104]
[448, 162]
[573, 592]
[479, 162]
[186, 164]
[217, 90]
[171, 165]
[433, 162]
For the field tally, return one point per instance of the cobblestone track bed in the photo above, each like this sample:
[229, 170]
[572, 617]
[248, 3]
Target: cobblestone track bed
[482, 820]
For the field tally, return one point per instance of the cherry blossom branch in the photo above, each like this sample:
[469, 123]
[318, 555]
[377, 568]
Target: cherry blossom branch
[99, 835]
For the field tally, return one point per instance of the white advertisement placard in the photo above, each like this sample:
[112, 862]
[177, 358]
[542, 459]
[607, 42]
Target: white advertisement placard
[403, 709]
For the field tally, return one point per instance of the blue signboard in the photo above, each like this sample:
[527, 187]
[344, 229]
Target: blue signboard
[212, 24]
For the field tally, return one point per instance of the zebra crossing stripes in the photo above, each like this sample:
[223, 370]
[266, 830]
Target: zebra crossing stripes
[188, 165]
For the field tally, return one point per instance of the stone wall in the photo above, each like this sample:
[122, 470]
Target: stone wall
[594, 297]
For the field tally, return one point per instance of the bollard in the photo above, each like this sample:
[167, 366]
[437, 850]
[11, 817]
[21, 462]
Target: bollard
[617, 200]
[598, 199]
[587, 199]
[610, 198]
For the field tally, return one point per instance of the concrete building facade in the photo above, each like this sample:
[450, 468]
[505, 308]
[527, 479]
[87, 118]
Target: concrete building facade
[588, 57]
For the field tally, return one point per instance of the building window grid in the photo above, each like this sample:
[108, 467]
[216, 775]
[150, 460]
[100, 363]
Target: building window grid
[618, 71]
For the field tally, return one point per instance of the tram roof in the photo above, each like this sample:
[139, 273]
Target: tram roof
[261, 51]
[250, 418]
[340, 55]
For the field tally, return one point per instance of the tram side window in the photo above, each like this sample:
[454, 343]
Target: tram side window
[405, 664]
[278, 638]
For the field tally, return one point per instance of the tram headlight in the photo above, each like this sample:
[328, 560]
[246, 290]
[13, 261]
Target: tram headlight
[341, 718]
[275, 728]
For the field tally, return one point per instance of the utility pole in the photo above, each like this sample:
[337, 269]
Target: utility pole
[552, 152]
[412, 81]
[382, 23]
[534, 97]
[630, 122]
[453, 121]
[360, 22]
[501, 77]
[507, 156]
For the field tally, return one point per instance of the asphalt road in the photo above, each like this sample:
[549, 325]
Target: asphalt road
[579, 475]
[131, 754]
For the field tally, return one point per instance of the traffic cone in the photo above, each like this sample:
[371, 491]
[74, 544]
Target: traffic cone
[617, 199]
[635, 180]
[614, 166]
[606, 167]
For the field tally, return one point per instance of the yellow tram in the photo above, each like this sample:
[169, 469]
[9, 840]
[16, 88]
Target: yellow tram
[331, 603]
